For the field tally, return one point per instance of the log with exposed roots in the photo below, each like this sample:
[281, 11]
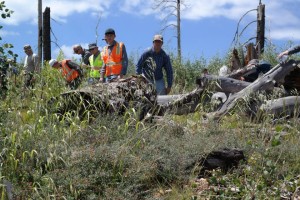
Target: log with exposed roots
[267, 81]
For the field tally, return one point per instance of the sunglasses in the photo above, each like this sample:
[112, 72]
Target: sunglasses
[76, 50]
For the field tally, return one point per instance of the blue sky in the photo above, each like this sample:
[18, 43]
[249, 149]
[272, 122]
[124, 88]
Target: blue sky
[208, 27]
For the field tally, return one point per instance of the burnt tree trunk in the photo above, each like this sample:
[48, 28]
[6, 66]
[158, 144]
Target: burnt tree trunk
[46, 35]
[260, 38]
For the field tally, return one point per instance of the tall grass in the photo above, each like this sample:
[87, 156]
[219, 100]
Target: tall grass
[44, 156]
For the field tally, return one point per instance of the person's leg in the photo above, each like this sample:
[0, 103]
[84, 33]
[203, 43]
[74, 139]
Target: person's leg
[160, 87]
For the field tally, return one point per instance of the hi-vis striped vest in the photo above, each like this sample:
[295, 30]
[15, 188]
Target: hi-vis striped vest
[113, 62]
[68, 73]
[95, 63]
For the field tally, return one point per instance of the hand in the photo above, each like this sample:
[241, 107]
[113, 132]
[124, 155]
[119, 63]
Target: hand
[120, 76]
[168, 90]
[283, 53]
[101, 80]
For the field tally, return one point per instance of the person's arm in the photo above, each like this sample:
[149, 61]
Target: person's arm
[169, 72]
[85, 57]
[290, 51]
[73, 65]
[140, 63]
[293, 50]
[36, 63]
[124, 62]
[102, 72]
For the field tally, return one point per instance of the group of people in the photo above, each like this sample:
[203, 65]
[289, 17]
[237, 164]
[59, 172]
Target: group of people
[111, 64]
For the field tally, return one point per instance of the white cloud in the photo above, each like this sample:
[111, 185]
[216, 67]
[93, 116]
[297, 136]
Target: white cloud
[26, 11]
[286, 34]
[4, 33]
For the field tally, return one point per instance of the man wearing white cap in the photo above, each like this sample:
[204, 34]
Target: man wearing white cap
[151, 65]
[70, 70]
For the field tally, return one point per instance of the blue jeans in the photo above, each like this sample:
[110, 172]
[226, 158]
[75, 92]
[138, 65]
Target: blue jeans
[160, 86]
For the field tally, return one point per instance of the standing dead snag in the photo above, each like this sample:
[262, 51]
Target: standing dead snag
[266, 82]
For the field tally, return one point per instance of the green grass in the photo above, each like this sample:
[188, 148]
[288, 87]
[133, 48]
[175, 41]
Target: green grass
[119, 157]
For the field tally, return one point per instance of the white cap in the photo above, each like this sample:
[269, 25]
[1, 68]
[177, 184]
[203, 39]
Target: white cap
[52, 62]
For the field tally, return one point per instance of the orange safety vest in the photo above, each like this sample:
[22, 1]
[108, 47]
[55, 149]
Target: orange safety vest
[68, 73]
[113, 61]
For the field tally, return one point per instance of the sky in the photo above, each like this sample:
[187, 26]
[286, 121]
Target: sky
[208, 28]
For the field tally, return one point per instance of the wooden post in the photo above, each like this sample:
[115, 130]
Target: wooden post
[260, 38]
[40, 31]
[46, 35]
[178, 32]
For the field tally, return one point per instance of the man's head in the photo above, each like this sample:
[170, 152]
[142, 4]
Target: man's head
[110, 35]
[27, 49]
[93, 48]
[53, 63]
[77, 49]
[158, 41]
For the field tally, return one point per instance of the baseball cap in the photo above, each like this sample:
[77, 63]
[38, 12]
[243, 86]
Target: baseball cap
[158, 38]
[92, 46]
[110, 31]
[52, 62]
[27, 46]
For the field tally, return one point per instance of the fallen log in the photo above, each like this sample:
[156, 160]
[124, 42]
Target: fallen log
[282, 107]
[221, 84]
[185, 104]
[275, 75]
[243, 72]
[105, 98]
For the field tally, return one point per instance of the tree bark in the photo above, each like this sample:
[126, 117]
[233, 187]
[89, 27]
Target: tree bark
[46, 35]
[276, 74]
[222, 84]
[282, 107]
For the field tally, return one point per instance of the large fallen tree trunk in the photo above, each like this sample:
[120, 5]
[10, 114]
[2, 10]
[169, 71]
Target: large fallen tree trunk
[282, 107]
[115, 97]
[243, 72]
[275, 75]
[185, 104]
[221, 84]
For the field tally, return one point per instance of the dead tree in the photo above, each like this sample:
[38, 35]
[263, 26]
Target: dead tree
[107, 98]
[260, 38]
[266, 82]
[221, 83]
[40, 31]
[281, 108]
[46, 35]
[172, 8]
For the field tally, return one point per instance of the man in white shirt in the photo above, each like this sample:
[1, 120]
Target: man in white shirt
[31, 66]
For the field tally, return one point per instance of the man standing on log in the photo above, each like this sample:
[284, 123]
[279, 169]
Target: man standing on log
[115, 60]
[290, 51]
[151, 65]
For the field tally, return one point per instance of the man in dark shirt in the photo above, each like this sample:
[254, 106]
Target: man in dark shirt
[85, 54]
[151, 65]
